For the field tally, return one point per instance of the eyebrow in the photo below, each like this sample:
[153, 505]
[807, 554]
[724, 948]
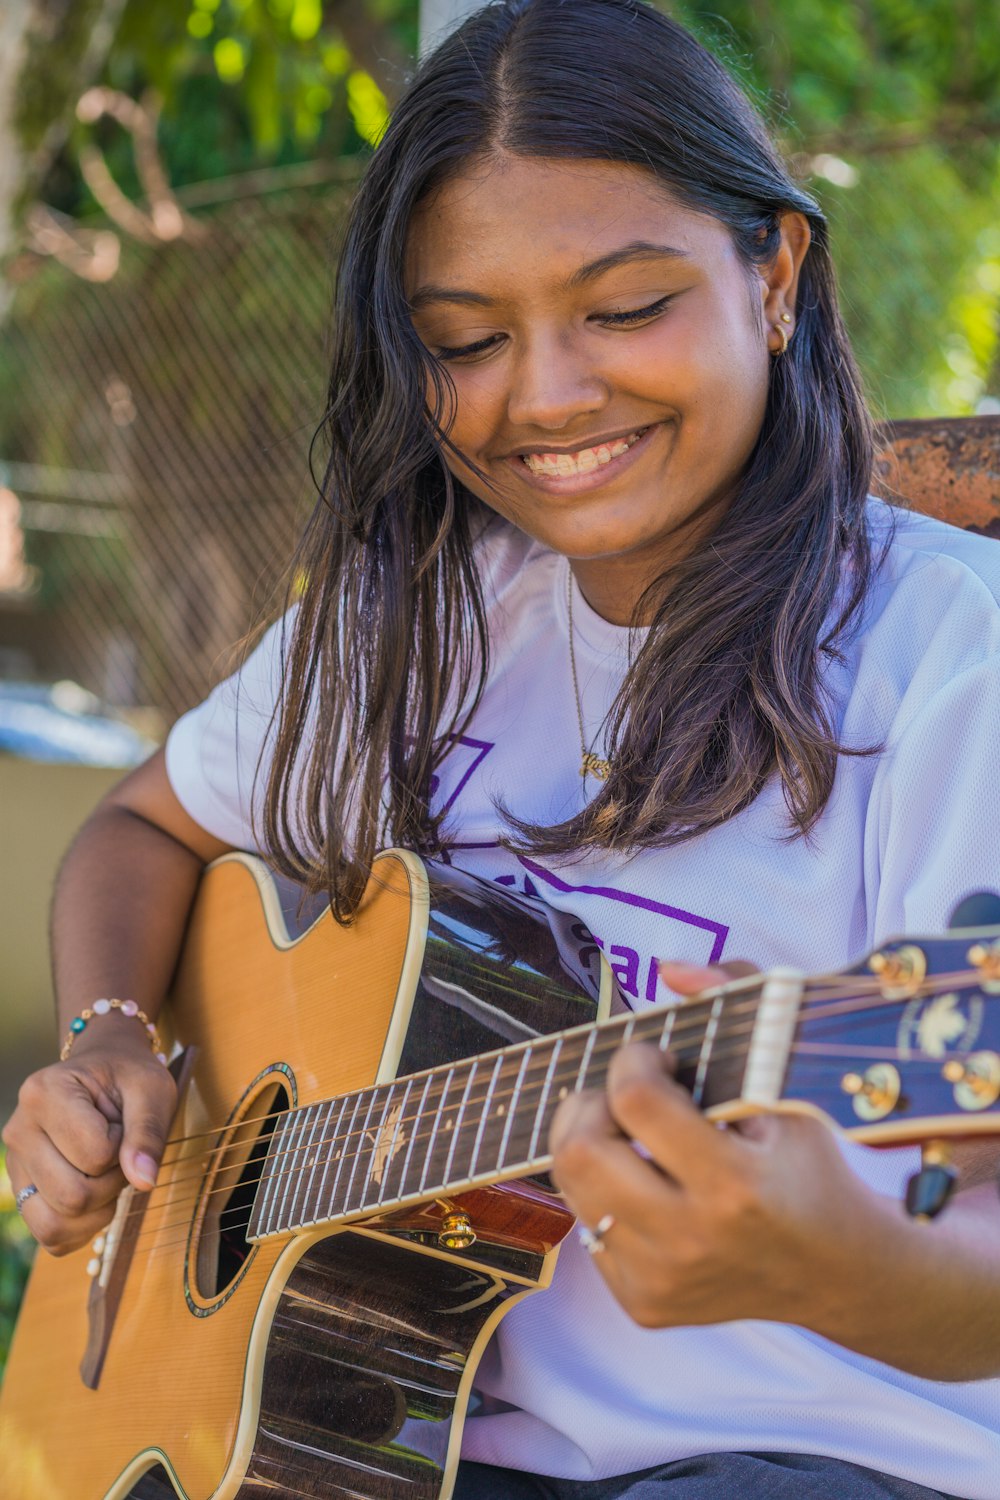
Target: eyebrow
[635, 250]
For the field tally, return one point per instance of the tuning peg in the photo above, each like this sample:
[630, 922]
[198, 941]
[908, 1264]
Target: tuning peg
[979, 910]
[928, 1190]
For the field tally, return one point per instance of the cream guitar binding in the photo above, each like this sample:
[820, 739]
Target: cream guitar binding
[354, 1191]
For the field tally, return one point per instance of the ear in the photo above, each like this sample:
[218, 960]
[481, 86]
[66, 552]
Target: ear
[779, 280]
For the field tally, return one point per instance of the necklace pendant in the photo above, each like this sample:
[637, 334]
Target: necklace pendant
[593, 765]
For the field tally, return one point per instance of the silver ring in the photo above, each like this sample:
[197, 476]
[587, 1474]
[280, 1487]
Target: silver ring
[21, 1198]
[593, 1239]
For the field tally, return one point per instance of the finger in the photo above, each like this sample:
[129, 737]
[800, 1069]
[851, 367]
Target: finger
[53, 1230]
[77, 1128]
[582, 1115]
[649, 1107]
[149, 1101]
[691, 979]
[598, 1170]
[68, 1192]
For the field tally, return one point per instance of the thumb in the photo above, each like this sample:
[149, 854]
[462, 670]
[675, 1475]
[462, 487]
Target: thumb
[148, 1102]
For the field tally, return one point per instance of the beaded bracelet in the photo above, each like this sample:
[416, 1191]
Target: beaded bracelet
[104, 1008]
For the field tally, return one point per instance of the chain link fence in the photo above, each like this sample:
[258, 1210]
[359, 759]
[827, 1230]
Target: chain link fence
[154, 435]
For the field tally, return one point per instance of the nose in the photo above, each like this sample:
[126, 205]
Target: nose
[552, 384]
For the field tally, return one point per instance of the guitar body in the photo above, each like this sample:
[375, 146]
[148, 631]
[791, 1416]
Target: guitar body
[334, 1361]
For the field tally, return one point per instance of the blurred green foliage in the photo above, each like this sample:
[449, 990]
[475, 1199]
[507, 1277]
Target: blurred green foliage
[16, 1250]
[890, 108]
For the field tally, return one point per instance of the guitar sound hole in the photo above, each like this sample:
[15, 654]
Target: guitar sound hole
[222, 1249]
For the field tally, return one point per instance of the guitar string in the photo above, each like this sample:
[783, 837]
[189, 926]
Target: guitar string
[369, 1212]
[683, 1010]
[185, 1224]
[609, 1041]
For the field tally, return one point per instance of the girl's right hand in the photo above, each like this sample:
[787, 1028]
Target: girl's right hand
[83, 1128]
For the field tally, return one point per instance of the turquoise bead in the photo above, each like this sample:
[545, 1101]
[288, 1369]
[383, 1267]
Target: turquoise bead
[78, 1024]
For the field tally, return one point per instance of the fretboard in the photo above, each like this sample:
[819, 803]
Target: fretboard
[471, 1123]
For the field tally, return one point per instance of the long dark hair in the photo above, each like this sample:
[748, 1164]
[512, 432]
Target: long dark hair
[389, 652]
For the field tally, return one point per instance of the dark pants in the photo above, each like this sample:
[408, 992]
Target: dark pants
[713, 1476]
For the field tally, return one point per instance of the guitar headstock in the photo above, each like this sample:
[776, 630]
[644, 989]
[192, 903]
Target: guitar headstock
[905, 1045]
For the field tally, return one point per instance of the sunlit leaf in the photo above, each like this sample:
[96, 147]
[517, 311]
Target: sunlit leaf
[230, 59]
[306, 19]
[368, 106]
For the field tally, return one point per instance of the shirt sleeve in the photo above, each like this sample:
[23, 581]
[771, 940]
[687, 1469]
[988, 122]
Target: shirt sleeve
[218, 755]
[936, 836]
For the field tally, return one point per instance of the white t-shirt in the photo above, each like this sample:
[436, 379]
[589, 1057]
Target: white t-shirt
[572, 1387]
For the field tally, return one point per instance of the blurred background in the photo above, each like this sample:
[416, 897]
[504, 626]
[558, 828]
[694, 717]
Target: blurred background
[174, 176]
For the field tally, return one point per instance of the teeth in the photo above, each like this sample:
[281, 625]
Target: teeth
[563, 465]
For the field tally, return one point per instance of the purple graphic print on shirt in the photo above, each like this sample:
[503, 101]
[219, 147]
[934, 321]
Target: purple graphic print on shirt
[480, 749]
[637, 974]
[626, 962]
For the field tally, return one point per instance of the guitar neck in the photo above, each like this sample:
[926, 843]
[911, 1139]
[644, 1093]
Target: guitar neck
[487, 1118]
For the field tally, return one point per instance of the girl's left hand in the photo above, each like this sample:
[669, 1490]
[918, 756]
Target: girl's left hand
[761, 1219]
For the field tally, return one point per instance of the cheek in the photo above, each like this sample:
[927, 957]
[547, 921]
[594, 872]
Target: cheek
[724, 375]
[479, 402]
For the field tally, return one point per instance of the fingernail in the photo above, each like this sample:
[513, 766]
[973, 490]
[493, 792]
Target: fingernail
[146, 1169]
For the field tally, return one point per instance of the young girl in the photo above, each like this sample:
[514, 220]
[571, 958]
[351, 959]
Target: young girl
[595, 604]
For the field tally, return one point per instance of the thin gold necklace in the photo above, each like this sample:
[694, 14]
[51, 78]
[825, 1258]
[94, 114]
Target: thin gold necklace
[591, 764]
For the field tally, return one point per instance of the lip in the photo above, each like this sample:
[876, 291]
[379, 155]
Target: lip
[578, 484]
[580, 446]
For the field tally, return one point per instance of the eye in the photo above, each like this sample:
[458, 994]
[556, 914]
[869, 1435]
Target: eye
[466, 351]
[636, 314]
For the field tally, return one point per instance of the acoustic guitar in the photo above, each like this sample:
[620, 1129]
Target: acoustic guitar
[353, 1193]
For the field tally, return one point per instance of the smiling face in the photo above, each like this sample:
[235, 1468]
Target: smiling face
[609, 351]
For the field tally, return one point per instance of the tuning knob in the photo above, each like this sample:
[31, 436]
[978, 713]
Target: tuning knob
[900, 971]
[976, 1079]
[876, 1092]
[985, 957]
[928, 1190]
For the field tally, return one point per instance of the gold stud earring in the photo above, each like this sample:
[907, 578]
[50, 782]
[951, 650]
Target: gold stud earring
[786, 318]
[783, 336]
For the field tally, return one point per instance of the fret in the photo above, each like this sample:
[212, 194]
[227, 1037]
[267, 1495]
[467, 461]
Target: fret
[298, 1126]
[451, 1171]
[299, 1168]
[356, 1149]
[428, 1158]
[496, 1111]
[332, 1205]
[382, 1169]
[376, 1157]
[515, 1095]
[546, 1090]
[525, 1109]
[706, 1048]
[418, 1115]
[484, 1114]
[270, 1177]
[330, 1137]
[581, 1078]
[474, 1128]
[667, 1030]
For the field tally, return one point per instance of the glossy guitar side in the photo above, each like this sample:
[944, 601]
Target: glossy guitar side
[328, 1363]
[351, 1199]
